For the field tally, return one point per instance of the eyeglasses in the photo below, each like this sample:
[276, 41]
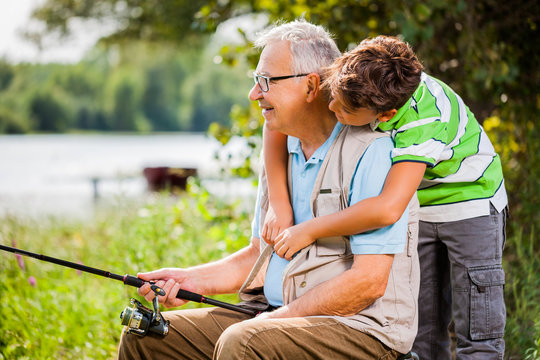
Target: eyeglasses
[263, 81]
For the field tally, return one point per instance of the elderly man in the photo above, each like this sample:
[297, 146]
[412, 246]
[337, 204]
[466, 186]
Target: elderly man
[353, 297]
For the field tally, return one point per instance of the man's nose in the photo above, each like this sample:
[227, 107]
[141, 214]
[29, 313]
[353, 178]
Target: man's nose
[255, 93]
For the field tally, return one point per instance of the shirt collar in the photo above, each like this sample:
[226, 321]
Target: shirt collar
[295, 147]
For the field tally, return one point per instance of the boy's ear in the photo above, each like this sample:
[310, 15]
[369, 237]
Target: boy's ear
[386, 115]
[313, 86]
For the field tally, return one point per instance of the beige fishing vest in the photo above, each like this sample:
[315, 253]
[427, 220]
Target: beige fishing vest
[393, 318]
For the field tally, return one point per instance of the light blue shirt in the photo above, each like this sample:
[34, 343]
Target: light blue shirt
[367, 181]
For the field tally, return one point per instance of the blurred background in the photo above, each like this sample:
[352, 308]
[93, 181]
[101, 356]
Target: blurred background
[98, 98]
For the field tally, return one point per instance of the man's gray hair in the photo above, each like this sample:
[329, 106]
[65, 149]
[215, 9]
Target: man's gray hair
[312, 47]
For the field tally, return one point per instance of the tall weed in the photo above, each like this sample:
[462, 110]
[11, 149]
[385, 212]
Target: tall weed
[522, 293]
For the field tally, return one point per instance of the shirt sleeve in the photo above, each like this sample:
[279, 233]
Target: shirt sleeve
[367, 182]
[421, 134]
[423, 143]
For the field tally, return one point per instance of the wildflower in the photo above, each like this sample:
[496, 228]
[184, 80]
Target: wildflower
[32, 281]
[20, 261]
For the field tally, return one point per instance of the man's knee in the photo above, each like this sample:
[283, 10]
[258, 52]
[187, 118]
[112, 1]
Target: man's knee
[232, 344]
[130, 347]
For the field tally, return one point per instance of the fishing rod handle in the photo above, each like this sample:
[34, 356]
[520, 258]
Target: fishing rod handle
[191, 296]
[132, 281]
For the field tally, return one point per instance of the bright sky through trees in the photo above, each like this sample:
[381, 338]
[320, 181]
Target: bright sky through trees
[15, 20]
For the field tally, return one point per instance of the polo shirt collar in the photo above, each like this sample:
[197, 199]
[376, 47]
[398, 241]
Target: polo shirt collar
[294, 146]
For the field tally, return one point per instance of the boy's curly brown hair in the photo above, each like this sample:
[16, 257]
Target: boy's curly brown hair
[380, 74]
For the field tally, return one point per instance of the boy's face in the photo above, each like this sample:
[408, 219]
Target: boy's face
[359, 116]
[346, 116]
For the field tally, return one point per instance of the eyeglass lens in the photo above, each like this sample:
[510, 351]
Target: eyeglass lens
[261, 81]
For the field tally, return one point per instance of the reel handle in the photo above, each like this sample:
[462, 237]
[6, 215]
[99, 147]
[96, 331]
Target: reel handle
[136, 282]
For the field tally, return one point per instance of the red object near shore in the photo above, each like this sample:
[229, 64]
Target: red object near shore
[167, 178]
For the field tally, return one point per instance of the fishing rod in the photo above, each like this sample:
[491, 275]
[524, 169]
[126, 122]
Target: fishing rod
[138, 318]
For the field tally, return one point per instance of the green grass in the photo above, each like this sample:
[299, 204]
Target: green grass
[71, 315]
[522, 294]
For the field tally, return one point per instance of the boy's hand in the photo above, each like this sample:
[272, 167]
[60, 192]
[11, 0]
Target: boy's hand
[292, 240]
[276, 220]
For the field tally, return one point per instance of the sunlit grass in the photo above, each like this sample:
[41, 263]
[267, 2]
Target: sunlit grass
[66, 314]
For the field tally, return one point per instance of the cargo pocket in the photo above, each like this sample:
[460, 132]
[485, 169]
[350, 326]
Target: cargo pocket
[487, 311]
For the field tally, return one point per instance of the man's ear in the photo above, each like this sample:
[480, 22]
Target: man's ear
[313, 86]
[386, 115]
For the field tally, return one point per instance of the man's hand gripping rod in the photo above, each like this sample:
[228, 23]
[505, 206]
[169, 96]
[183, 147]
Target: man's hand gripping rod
[135, 282]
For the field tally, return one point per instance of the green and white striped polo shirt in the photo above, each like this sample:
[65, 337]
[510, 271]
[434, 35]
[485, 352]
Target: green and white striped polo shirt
[464, 174]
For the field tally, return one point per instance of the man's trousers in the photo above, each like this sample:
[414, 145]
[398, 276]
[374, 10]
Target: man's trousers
[215, 333]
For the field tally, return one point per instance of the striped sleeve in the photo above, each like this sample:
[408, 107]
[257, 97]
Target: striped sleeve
[421, 133]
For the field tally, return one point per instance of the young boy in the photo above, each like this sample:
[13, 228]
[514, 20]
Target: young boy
[441, 150]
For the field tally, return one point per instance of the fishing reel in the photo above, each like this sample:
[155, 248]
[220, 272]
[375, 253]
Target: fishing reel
[139, 319]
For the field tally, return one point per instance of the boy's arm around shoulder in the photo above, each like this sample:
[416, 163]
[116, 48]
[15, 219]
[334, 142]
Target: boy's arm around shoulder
[375, 212]
[369, 214]
[280, 214]
[344, 295]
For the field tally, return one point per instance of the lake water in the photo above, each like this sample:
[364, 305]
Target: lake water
[52, 174]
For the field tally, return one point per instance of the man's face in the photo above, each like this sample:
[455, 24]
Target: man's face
[356, 117]
[284, 98]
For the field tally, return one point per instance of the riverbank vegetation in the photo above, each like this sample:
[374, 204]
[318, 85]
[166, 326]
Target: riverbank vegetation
[129, 87]
[52, 312]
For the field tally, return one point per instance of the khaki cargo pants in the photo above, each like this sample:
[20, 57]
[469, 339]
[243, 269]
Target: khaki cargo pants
[215, 333]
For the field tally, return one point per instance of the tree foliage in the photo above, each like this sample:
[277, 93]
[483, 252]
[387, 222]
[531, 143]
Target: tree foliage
[112, 90]
[6, 75]
[48, 112]
[140, 19]
[486, 50]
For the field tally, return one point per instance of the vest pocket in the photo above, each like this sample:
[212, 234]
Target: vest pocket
[329, 201]
[331, 246]
[321, 270]
[300, 285]
[487, 311]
